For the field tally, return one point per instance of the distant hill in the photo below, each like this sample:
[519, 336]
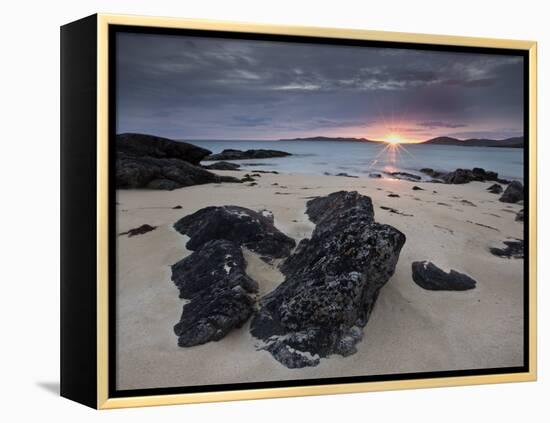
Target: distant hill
[516, 142]
[320, 138]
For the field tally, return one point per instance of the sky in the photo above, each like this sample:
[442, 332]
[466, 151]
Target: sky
[186, 87]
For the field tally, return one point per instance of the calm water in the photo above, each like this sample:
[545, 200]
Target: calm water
[353, 158]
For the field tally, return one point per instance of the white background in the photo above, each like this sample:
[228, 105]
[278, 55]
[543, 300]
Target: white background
[29, 169]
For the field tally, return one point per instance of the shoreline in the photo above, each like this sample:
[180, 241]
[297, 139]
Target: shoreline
[410, 330]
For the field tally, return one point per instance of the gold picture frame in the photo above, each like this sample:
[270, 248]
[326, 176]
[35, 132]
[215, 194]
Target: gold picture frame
[102, 22]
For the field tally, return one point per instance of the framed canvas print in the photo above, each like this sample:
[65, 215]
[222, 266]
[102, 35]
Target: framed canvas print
[253, 211]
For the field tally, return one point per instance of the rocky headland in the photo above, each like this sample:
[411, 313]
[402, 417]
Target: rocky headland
[233, 154]
[148, 161]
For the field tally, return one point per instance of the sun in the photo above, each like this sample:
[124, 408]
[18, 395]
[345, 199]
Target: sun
[394, 139]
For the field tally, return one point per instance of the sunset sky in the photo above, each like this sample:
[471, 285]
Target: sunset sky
[205, 88]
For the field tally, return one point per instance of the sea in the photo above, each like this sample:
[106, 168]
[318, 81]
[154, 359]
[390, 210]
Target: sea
[362, 159]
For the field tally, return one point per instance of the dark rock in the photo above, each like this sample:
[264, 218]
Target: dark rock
[253, 184]
[459, 176]
[519, 216]
[142, 145]
[346, 175]
[392, 195]
[495, 189]
[177, 207]
[405, 176]
[240, 225]
[513, 249]
[143, 229]
[415, 188]
[480, 174]
[215, 263]
[375, 175]
[214, 279]
[147, 161]
[268, 214]
[257, 164]
[395, 211]
[213, 316]
[427, 170]
[331, 283]
[247, 178]
[274, 172]
[230, 154]
[166, 174]
[483, 225]
[164, 184]
[223, 166]
[337, 203]
[436, 174]
[429, 276]
[513, 193]
[462, 176]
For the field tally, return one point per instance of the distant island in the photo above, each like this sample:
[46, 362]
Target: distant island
[514, 142]
[321, 138]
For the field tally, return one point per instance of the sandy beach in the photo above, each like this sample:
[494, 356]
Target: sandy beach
[410, 330]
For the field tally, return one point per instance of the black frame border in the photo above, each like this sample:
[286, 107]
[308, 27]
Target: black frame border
[113, 392]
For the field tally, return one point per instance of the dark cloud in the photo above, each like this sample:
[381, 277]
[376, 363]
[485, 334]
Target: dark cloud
[439, 124]
[250, 121]
[406, 130]
[330, 123]
[192, 87]
[480, 82]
